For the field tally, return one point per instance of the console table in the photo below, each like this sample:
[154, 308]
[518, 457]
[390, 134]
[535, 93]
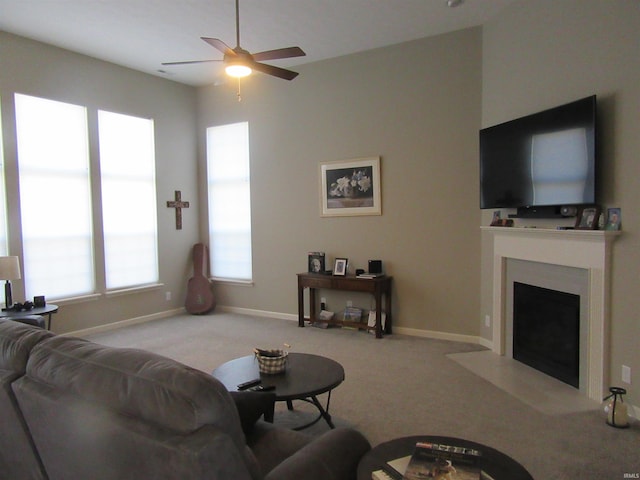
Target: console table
[376, 286]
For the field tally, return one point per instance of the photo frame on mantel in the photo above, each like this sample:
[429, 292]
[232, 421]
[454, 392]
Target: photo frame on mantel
[588, 218]
[350, 187]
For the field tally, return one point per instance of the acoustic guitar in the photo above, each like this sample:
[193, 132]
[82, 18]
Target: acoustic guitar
[200, 297]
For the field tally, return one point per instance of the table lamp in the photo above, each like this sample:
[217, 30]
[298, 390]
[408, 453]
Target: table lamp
[9, 270]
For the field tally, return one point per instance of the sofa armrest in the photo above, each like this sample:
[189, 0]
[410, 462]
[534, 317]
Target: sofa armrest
[333, 456]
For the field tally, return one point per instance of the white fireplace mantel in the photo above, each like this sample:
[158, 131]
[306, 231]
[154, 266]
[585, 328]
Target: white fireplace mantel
[590, 250]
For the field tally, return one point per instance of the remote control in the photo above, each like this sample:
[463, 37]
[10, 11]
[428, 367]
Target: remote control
[249, 384]
[262, 388]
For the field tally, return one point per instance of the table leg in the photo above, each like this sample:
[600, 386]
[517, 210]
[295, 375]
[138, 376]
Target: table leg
[323, 412]
[389, 322]
[312, 305]
[300, 305]
[378, 301]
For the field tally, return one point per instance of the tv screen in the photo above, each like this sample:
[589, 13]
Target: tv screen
[543, 159]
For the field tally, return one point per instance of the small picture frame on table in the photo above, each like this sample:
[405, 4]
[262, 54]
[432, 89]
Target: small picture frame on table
[614, 218]
[340, 267]
[316, 262]
[588, 218]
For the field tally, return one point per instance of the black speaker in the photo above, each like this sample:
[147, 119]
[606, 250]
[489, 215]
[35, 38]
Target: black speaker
[375, 266]
[568, 211]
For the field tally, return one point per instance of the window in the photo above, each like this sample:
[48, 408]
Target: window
[55, 197]
[4, 244]
[127, 172]
[229, 192]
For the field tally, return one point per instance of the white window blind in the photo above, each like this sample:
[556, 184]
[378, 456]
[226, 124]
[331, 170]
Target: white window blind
[55, 197]
[229, 191]
[127, 172]
[4, 244]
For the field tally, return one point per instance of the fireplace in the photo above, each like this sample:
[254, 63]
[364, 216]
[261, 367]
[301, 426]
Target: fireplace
[546, 331]
[587, 251]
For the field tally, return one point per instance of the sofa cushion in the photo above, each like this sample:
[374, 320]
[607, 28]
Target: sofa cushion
[136, 383]
[16, 341]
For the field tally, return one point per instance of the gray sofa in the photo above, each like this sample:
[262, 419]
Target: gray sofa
[73, 409]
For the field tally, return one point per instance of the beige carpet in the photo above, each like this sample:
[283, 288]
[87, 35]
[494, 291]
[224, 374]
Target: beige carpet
[403, 385]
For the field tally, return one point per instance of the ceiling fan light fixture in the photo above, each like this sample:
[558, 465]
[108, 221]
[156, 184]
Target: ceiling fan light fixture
[238, 70]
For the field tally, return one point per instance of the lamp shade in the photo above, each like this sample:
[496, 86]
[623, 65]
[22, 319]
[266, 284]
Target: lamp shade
[238, 70]
[9, 268]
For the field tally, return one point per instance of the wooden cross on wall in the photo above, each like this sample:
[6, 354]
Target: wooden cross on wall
[178, 204]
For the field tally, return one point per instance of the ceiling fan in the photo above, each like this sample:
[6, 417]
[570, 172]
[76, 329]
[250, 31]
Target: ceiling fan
[240, 62]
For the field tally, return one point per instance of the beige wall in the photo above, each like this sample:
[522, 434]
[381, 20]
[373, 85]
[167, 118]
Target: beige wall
[36, 69]
[541, 53]
[417, 106]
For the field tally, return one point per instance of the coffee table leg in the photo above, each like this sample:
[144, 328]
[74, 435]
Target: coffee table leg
[324, 413]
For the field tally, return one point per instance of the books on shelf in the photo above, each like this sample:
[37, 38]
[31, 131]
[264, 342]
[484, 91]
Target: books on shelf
[370, 275]
[352, 314]
[434, 460]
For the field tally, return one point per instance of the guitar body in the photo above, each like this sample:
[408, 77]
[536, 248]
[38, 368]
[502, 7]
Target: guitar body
[200, 297]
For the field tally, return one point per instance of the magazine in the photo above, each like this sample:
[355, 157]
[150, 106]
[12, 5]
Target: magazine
[443, 462]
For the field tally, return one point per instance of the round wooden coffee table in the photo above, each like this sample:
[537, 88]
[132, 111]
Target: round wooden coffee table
[495, 463]
[305, 377]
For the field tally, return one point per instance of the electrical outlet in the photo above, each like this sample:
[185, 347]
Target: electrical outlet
[487, 321]
[349, 303]
[626, 374]
[167, 296]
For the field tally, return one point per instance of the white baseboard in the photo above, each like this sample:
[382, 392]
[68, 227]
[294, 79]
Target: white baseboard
[126, 323]
[455, 337]
[258, 313]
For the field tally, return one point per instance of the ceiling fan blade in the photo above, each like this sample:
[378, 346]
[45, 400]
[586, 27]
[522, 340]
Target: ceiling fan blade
[279, 53]
[275, 71]
[188, 62]
[220, 45]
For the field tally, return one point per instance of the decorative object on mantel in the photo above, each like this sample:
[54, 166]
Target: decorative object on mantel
[614, 219]
[497, 221]
[350, 187]
[617, 415]
[588, 218]
[178, 204]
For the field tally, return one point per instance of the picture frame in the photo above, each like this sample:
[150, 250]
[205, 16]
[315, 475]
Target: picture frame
[614, 219]
[587, 218]
[350, 187]
[316, 262]
[340, 267]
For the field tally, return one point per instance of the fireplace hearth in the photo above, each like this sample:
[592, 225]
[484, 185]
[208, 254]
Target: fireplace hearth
[546, 331]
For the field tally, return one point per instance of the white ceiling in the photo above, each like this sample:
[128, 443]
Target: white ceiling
[141, 34]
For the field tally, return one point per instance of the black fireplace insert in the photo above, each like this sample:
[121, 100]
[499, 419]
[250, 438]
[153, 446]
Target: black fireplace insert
[546, 331]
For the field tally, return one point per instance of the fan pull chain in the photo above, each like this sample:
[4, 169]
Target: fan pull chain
[239, 94]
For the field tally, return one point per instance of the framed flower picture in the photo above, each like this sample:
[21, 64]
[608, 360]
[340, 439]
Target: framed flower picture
[350, 187]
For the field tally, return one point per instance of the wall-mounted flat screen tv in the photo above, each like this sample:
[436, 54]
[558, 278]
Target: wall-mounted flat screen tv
[541, 160]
